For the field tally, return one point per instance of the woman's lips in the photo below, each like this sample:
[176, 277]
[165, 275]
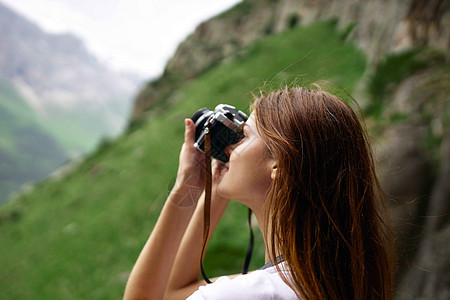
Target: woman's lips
[224, 169]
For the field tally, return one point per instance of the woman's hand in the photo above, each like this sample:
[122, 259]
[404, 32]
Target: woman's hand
[150, 275]
[185, 272]
[217, 167]
[190, 180]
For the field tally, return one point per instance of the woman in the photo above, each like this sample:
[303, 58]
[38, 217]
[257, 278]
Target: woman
[305, 169]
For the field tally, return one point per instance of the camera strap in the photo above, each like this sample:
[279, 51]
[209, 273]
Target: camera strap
[207, 208]
[208, 187]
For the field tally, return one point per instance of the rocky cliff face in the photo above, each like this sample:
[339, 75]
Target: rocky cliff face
[382, 27]
[413, 117]
[414, 161]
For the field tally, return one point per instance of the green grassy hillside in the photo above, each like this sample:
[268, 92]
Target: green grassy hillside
[78, 237]
[27, 151]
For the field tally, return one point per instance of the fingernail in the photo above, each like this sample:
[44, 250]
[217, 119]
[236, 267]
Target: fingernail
[186, 122]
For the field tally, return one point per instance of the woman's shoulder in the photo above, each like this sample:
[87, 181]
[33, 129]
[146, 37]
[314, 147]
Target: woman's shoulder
[260, 284]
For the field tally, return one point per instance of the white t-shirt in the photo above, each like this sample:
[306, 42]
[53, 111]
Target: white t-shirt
[260, 284]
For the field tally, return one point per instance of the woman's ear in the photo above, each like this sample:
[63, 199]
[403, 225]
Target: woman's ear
[274, 172]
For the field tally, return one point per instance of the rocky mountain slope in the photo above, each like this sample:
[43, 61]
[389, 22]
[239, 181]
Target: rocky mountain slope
[405, 93]
[378, 27]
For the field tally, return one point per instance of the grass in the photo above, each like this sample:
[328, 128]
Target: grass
[78, 237]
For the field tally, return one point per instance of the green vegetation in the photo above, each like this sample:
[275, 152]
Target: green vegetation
[292, 21]
[78, 237]
[392, 70]
[27, 152]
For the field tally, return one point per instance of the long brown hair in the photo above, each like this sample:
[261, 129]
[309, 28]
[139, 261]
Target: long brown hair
[324, 208]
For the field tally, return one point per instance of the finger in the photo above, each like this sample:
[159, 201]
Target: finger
[217, 166]
[189, 132]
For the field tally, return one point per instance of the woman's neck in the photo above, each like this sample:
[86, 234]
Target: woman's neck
[266, 233]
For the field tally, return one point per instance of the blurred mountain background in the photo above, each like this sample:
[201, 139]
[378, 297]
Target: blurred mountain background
[78, 234]
[57, 101]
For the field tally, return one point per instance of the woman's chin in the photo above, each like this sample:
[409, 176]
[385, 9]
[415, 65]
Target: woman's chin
[222, 190]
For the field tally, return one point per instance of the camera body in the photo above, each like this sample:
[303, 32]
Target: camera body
[226, 124]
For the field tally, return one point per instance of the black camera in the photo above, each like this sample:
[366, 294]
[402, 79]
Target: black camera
[226, 124]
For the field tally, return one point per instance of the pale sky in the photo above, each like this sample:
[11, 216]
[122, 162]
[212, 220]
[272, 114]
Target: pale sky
[130, 35]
